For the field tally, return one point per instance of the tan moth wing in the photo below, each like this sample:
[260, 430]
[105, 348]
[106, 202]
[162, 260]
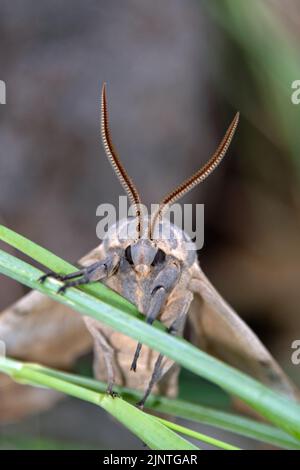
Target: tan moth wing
[38, 329]
[219, 330]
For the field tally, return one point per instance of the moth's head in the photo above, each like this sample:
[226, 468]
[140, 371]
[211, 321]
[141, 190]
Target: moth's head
[143, 254]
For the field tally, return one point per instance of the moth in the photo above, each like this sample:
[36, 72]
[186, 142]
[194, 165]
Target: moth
[162, 278]
[160, 275]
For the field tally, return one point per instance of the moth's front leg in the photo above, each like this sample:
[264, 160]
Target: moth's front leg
[95, 272]
[162, 286]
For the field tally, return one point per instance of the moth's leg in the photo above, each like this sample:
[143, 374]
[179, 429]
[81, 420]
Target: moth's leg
[60, 277]
[157, 300]
[163, 284]
[85, 279]
[92, 273]
[180, 305]
[102, 348]
[83, 276]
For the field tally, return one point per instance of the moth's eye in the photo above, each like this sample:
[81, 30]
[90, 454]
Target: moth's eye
[128, 255]
[159, 257]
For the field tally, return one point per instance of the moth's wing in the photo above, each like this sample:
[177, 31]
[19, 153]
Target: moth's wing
[38, 329]
[18, 401]
[217, 329]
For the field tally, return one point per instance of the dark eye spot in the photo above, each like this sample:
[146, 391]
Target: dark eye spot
[159, 257]
[128, 255]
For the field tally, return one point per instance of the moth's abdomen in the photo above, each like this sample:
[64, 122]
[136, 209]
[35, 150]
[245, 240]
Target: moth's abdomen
[123, 351]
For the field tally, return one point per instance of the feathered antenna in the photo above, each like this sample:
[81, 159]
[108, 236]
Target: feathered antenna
[197, 177]
[118, 168]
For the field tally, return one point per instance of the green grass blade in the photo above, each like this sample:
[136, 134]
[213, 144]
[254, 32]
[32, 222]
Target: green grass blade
[147, 428]
[197, 435]
[275, 407]
[202, 414]
[227, 421]
[31, 374]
